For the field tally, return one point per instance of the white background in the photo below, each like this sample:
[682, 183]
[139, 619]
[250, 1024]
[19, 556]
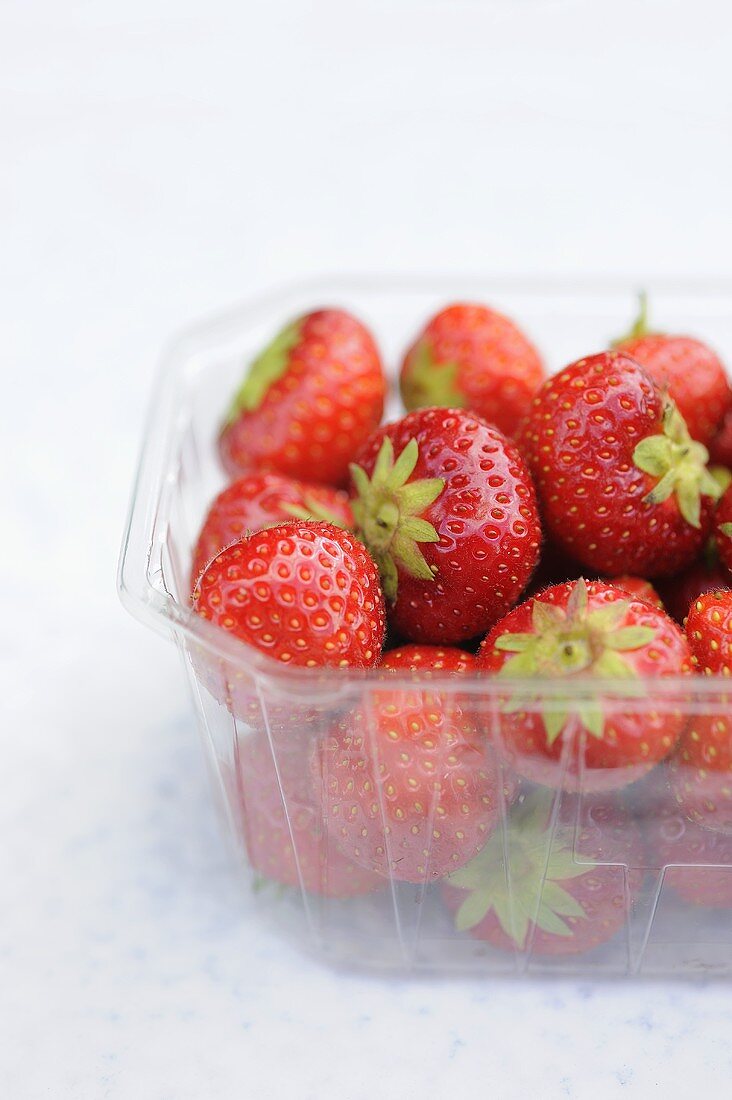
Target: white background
[160, 160]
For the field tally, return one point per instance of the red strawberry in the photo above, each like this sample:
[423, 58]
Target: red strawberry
[585, 630]
[308, 402]
[709, 632]
[705, 575]
[303, 593]
[621, 485]
[409, 786]
[698, 862]
[428, 658]
[471, 357]
[700, 770]
[687, 369]
[551, 893]
[270, 824]
[639, 588]
[259, 500]
[447, 508]
[723, 530]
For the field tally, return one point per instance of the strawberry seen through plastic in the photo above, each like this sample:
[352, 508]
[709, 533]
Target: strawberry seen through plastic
[588, 738]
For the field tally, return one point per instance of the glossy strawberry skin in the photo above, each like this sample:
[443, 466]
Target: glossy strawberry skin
[598, 829]
[315, 417]
[698, 861]
[497, 369]
[579, 440]
[259, 500]
[306, 594]
[709, 632]
[723, 530]
[427, 659]
[276, 806]
[486, 518]
[634, 737]
[693, 375]
[410, 788]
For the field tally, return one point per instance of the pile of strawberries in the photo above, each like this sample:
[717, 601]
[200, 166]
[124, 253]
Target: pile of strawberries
[526, 530]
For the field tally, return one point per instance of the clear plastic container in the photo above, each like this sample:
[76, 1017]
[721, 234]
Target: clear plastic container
[658, 889]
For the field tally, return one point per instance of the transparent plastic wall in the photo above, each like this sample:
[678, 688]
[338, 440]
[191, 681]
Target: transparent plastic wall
[556, 869]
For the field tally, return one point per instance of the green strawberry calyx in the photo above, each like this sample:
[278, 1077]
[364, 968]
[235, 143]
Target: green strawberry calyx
[572, 641]
[680, 465]
[431, 384]
[389, 512]
[268, 367]
[522, 877]
[726, 529]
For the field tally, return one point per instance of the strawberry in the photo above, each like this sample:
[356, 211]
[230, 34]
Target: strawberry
[259, 500]
[621, 485]
[691, 373]
[277, 808]
[472, 357]
[308, 401]
[709, 632]
[304, 593]
[723, 530]
[447, 508]
[427, 659]
[409, 786]
[551, 891]
[639, 588]
[585, 630]
[698, 861]
[700, 770]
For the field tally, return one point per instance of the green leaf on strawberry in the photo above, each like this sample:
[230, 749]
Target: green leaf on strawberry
[572, 640]
[680, 464]
[267, 368]
[431, 383]
[388, 512]
[519, 880]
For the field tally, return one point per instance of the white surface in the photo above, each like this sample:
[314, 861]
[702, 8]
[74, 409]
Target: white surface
[160, 160]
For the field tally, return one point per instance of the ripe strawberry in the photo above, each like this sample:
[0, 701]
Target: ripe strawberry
[639, 588]
[304, 593]
[551, 893]
[723, 530]
[709, 633]
[277, 806]
[585, 630]
[308, 401]
[259, 500]
[621, 485]
[471, 357]
[427, 659]
[687, 369]
[698, 861]
[700, 770]
[451, 522]
[705, 575]
[409, 786]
